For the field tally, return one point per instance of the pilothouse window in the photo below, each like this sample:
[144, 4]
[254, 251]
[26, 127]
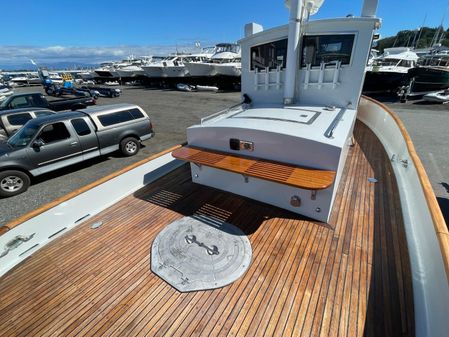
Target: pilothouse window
[328, 49]
[269, 55]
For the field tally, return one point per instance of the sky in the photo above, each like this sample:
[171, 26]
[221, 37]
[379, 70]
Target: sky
[92, 31]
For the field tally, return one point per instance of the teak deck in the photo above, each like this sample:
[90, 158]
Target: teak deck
[349, 278]
[305, 178]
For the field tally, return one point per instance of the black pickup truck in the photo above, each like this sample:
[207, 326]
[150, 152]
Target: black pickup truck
[38, 100]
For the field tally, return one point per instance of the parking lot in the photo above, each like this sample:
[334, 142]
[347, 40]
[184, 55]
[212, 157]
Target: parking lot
[173, 111]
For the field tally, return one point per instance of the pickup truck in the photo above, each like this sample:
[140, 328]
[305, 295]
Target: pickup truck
[38, 100]
[13, 120]
[51, 142]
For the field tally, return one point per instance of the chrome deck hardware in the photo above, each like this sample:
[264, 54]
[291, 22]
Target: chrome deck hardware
[212, 250]
[396, 158]
[16, 242]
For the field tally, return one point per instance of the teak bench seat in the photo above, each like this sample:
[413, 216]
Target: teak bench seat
[304, 178]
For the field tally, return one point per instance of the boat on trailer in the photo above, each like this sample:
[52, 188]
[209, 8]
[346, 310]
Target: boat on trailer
[303, 211]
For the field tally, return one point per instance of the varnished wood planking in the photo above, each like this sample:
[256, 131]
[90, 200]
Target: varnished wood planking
[306, 278]
[305, 178]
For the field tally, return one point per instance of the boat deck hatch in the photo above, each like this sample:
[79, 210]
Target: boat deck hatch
[288, 114]
[194, 254]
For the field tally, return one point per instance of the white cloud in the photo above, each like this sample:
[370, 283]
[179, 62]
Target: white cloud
[20, 55]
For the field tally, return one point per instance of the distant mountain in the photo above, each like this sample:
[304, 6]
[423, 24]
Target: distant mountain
[422, 38]
[51, 66]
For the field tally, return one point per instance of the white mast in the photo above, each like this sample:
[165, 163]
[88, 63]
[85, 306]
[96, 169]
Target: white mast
[292, 50]
[369, 8]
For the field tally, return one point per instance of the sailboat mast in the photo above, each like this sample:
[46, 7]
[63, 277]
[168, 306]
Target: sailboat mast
[420, 30]
[441, 25]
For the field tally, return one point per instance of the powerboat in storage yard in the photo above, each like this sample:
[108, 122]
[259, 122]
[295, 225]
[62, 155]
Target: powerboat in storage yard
[226, 61]
[431, 74]
[303, 211]
[389, 72]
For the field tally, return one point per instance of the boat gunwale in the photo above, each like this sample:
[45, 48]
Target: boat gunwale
[438, 220]
[16, 222]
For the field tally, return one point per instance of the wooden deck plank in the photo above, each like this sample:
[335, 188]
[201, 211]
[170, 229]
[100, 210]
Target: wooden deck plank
[265, 293]
[349, 278]
[301, 177]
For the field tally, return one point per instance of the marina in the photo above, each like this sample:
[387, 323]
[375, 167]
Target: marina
[259, 193]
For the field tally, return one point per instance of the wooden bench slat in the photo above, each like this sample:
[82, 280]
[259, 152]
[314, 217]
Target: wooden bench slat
[305, 178]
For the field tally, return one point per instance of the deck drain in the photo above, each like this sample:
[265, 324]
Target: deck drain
[192, 254]
[96, 225]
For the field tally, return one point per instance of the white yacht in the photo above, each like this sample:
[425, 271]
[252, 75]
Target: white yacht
[107, 69]
[225, 61]
[154, 68]
[134, 68]
[178, 68]
[25, 80]
[389, 72]
[131, 71]
[303, 211]
[55, 77]
[86, 75]
[172, 66]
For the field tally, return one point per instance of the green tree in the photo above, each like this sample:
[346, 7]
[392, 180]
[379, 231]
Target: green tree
[413, 38]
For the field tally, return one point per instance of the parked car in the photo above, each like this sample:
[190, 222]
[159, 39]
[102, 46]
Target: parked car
[103, 91]
[38, 100]
[12, 120]
[51, 142]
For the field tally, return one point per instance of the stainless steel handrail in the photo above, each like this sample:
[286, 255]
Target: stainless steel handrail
[330, 130]
[246, 101]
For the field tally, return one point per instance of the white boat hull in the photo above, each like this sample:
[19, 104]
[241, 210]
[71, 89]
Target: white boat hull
[228, 69]
[174, 71]
[130, 73]
[200, 69]
[153, 71]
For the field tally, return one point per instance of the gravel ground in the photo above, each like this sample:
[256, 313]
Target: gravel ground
[173, 111]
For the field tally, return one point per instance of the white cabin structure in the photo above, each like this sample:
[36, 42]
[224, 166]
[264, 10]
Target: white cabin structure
[302, 117]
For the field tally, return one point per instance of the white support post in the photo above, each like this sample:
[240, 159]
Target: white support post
[278, 77]
[336, 75]
[267, 78]
[256, 78]
[307, 78]
[321, 75]
[292, 50]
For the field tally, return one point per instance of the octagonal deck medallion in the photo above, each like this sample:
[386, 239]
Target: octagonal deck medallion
[200, 253]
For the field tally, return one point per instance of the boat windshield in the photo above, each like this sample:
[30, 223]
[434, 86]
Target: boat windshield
[437, 60]
[391, 62]
[23, 137]
[232, 48]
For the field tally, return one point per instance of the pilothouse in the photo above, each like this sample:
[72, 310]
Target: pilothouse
[304, 82]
